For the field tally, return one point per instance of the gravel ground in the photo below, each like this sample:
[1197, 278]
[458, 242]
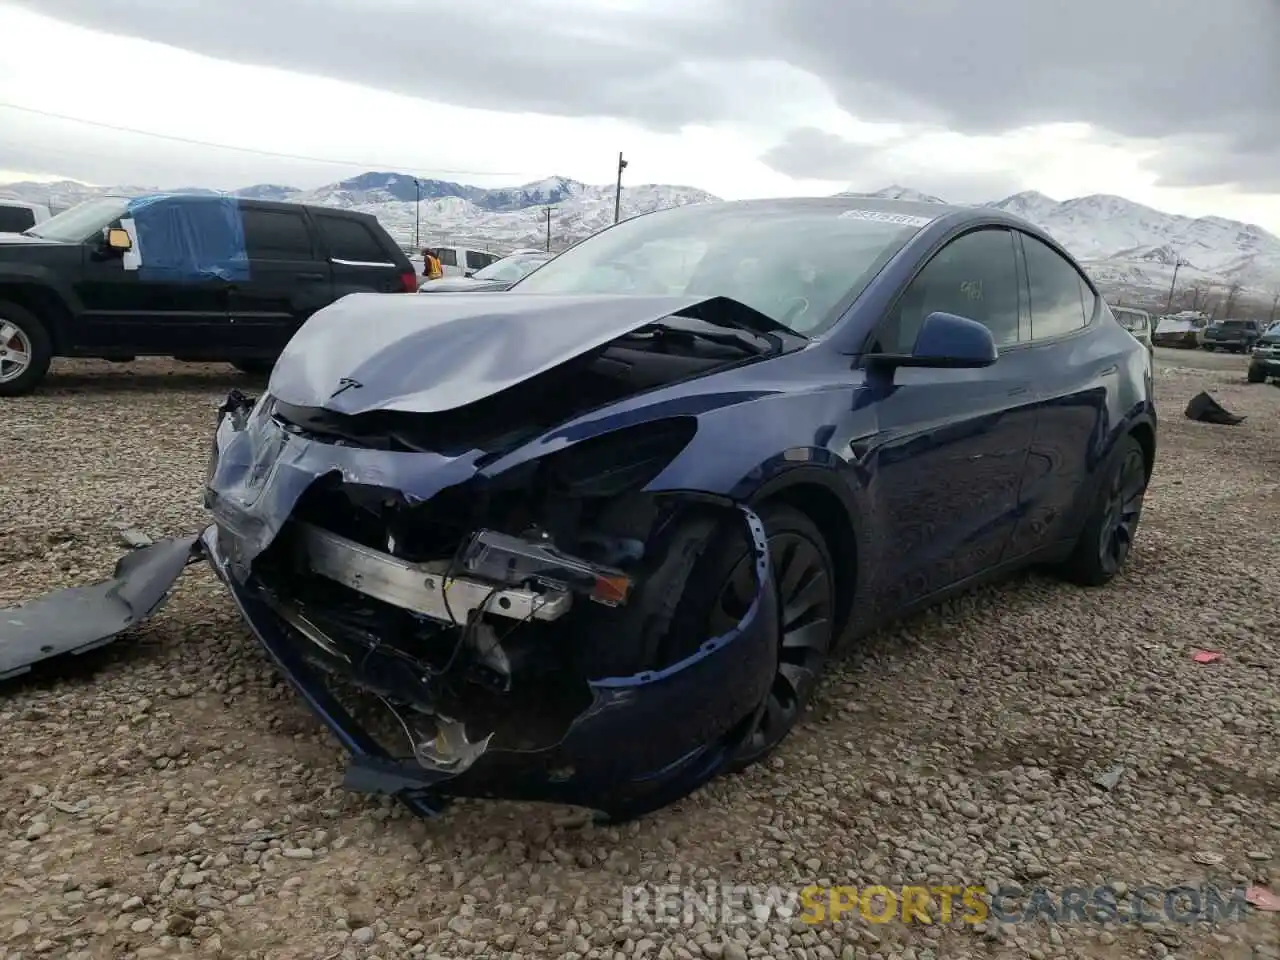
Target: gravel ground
[171, 796]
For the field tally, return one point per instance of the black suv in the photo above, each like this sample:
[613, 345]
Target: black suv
[1235, 336]
[198, 278]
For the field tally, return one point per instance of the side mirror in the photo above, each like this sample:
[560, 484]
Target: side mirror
[946, 340]
[118, 240]
[469, 273]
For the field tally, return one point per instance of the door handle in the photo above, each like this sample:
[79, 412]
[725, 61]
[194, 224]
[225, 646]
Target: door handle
[311, 276]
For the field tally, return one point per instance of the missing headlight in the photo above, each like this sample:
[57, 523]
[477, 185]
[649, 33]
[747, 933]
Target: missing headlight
[620, 461]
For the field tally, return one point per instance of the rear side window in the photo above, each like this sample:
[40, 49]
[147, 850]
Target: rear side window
[1059, 294]
[448, 257]
[16, 219]
[349, 239]
[276, 235]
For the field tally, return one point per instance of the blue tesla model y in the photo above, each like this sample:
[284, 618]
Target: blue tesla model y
[592, 540]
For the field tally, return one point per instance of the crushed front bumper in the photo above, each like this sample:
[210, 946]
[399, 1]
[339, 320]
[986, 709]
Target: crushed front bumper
[643, 741]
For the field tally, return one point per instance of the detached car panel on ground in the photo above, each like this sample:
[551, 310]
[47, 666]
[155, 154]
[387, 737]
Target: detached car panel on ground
[593, 540]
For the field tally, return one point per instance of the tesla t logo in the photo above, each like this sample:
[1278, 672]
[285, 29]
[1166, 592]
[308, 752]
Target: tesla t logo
[345, 384]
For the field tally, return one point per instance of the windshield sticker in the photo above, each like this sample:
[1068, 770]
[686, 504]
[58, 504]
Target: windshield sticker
[882, 216]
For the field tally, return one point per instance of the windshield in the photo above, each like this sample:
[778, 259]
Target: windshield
[795, 262]
[81, 221]
[508, 269]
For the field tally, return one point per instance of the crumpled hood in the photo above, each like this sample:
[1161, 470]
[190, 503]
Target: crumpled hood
[427, 354]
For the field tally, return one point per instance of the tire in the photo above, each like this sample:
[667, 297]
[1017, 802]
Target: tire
[803, 572]
[255, 368]
[1256, 373]
[22, 333]
[1107, 536]
[1209, 348]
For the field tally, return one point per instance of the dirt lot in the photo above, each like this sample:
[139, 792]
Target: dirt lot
[173, 797]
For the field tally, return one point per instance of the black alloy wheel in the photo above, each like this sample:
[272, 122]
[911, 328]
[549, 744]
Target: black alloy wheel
[804, 582]
[1122, 512]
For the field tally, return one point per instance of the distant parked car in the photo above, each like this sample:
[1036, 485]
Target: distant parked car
[1176, 332]
[1137, 322]
[199, 278]
[499, 275]
[1234, 336]
[18, 215]
[1265, 362]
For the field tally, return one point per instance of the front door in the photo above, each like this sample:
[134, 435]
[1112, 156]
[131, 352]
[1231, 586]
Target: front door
[947, 459]
[161, 305]
[288, 281]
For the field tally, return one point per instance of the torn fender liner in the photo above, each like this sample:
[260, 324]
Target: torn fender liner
[79, 619]
[431, 354]
[642, 742]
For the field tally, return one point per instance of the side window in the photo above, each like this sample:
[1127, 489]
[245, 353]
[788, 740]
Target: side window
[16, 219]
[974, 276]
[276, 234]
[1058, 292]
[448, 257]
[476, 260]
[349, 239]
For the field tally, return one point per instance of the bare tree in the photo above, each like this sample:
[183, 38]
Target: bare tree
[1233, 293]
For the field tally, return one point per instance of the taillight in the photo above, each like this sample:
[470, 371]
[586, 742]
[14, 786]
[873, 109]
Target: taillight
[409, 282]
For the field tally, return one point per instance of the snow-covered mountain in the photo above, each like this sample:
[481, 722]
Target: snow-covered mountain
[441, 211]
[1124, 244]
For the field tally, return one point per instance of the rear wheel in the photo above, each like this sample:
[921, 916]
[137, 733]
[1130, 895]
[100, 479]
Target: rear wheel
[25, 350]
[1112, 523]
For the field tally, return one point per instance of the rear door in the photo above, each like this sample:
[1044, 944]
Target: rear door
[289, 279]
[952, 443]
[1080, 359]
[362, 256]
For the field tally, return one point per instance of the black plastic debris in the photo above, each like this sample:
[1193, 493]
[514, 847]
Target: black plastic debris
[1207, 410]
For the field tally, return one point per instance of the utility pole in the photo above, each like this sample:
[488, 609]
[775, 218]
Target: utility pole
[1176, 264]
[549, 209]
[617, 193]
[417, 210]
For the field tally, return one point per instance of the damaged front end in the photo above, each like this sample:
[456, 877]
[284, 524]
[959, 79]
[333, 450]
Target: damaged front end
[448, 535]
[517, 632]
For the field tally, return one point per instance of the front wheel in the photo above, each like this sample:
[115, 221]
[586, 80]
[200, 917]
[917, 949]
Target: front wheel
[25, 350]
[1112, 524]
[1256, 373]
[804, 581]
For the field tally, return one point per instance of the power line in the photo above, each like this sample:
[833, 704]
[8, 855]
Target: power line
[254, 150]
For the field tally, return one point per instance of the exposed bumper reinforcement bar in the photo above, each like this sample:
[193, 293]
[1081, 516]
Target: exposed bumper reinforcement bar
[425, 588]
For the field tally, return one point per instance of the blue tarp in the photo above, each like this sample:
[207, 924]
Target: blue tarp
[189, 238]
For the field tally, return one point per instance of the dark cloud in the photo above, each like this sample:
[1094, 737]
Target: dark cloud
[808, 153]
[1137, 68]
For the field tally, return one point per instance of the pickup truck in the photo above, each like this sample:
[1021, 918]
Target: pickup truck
[197, 278]
[1234, 336]
[1265, 361]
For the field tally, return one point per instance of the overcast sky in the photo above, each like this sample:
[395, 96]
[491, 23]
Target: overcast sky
[1175, 103]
